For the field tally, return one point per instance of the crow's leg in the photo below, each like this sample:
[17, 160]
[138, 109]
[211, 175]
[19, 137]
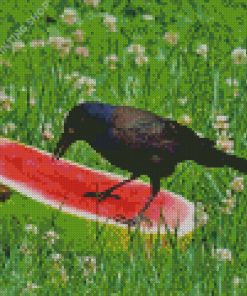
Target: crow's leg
[155, 184]
[107, 193]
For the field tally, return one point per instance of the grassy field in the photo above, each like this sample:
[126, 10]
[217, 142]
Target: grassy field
[182, 61]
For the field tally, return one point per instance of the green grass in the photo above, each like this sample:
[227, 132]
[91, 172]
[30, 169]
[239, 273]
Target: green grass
[191, 86]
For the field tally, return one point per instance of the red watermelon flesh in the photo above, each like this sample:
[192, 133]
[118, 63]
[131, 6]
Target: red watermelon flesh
[36, 174]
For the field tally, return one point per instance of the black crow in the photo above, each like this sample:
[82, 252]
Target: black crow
[140, 142]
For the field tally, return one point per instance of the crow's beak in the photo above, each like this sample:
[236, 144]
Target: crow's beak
[56, 157]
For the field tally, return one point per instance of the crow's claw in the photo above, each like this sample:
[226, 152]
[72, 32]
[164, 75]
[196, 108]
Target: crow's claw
[134, 221]
[92, 194]
[100, 195]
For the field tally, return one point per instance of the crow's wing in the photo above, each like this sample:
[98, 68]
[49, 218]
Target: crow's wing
[142, 129]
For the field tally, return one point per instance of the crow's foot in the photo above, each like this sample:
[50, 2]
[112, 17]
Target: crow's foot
[135, 221]
[101, 195]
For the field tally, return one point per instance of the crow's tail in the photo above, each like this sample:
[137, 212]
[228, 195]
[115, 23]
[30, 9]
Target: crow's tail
[206, 154]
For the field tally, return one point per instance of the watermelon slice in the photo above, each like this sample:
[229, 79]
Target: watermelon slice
[37, 174]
